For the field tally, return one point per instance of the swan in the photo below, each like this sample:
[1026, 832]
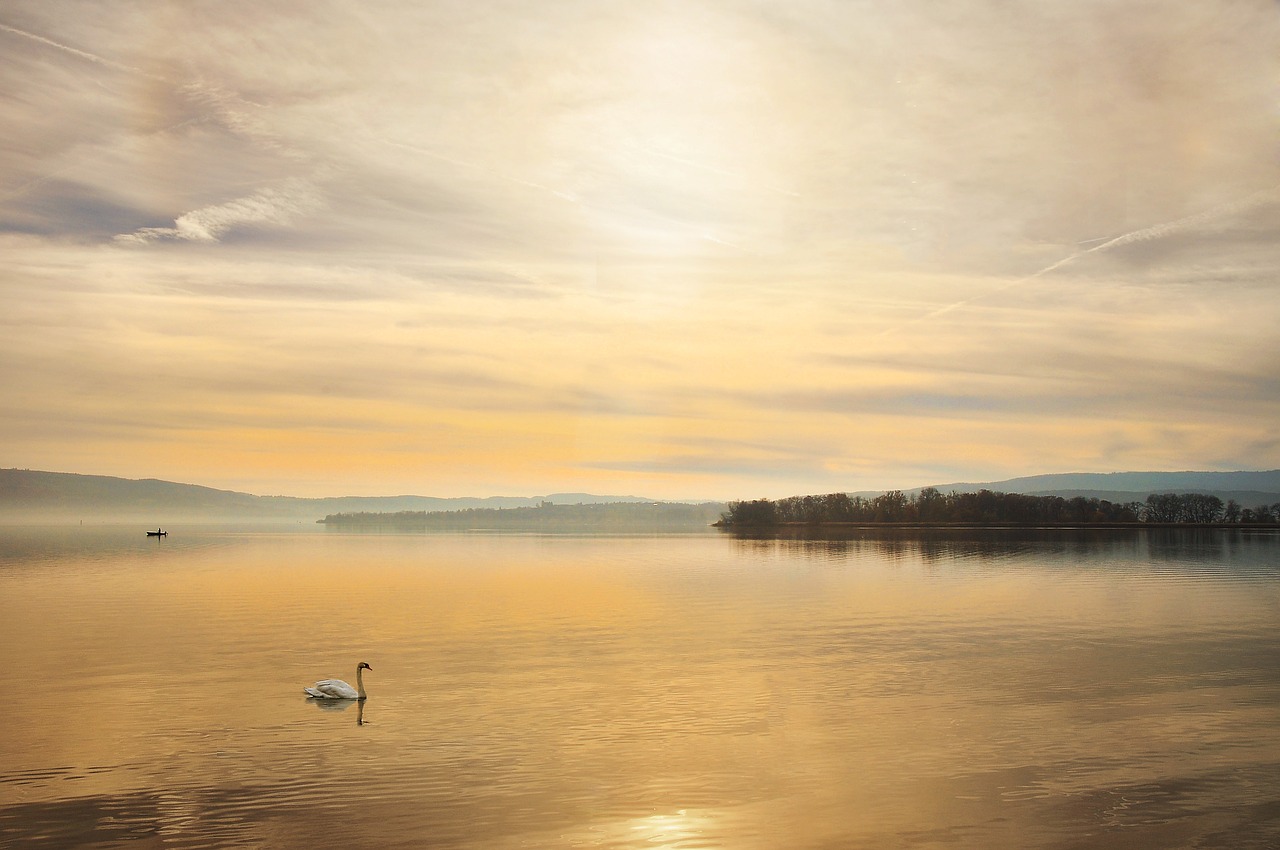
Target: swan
[338, 689]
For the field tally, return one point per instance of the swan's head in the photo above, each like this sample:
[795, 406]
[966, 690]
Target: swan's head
[364, 666]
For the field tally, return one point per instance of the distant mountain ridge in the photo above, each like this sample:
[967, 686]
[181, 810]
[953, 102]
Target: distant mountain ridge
[1150, 482]
[1246, 487]
[36, 496]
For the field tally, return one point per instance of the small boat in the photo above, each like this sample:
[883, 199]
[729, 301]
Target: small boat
[157, 533]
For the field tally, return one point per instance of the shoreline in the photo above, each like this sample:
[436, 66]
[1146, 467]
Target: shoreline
[1031, 526]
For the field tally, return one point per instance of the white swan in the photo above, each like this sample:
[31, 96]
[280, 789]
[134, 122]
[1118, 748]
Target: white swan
[338, 689]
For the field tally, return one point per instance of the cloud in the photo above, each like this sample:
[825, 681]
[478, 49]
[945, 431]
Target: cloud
[277, 205]
[241, 117]
[638, 237]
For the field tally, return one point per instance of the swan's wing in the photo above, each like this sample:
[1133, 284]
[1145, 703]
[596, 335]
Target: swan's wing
[333, 689]
[332, 683]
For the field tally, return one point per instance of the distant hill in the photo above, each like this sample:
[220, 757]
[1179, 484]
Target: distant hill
[1247, 488]
[36, 497]
[611, 517]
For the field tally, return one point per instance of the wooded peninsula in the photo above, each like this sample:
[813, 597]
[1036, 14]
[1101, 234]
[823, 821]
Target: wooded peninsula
[985, 507]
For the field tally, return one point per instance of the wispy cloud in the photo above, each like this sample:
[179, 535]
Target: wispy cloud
[275, 205]
[238, 115]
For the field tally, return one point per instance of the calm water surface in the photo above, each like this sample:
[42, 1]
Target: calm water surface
[1052, 690]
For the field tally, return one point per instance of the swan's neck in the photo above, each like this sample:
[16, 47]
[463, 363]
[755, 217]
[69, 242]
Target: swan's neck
[360, 683]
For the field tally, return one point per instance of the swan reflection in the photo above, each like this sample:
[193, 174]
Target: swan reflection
[339, 705]
[335, 705]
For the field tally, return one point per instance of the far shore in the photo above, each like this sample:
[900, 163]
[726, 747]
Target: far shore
[907, 526]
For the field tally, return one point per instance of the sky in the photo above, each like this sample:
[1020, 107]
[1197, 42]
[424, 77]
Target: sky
[685, 250]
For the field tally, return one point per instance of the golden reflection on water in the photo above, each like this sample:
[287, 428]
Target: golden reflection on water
[643, 692]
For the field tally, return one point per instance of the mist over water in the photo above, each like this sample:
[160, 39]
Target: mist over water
[994, 690]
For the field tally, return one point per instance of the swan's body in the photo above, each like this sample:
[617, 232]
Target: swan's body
[338, 689]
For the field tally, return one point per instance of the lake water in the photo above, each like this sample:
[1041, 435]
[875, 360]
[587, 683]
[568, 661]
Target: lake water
[1110, 689]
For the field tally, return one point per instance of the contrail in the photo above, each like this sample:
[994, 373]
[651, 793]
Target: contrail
[83, 54]
[1159, 231]
[1145, 234]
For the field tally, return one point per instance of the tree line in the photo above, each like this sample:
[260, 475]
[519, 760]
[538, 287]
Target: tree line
[986, 507]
